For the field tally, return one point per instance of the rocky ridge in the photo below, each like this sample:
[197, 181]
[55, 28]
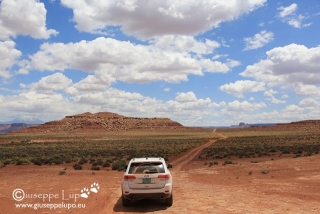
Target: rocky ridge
[103, 121]
[313, 125]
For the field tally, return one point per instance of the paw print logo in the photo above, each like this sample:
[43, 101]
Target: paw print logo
[95, 187]
[85, 193]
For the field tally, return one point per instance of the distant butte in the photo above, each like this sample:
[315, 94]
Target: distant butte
[107, 121]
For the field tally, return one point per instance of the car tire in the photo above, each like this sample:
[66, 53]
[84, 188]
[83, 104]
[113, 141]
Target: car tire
[168, 201]
[125, 202]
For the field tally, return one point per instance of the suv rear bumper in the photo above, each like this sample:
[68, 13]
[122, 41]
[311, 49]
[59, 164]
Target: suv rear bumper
[162, 193]
[137, 196]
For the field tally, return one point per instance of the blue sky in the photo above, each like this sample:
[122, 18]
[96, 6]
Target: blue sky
[200, 63]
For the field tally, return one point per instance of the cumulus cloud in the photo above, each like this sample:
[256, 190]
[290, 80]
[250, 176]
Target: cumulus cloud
[292, 65]
[142, 63]
[37, 105]
[9, 56]
[288, 15]
[50, 83]
[236, 107]
[242, 86]
[270, 94]
[258, 40]
[43, 105]
[185, 44]
[287, 11]
[186, 97]
[187, 101]
[146, 19]
[309, 103]
[24, 17]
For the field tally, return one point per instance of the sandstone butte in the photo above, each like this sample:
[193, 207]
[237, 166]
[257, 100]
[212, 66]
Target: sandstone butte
[103, 121]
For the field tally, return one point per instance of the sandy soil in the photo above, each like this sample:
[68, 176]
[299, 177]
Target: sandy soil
[289, 185]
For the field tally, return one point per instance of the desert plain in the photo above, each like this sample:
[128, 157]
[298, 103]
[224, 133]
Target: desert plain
[281, 178]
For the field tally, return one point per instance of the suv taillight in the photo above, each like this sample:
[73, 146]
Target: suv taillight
[164, 177]
[129, 177]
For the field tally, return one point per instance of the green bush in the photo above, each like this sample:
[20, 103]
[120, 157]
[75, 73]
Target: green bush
[106, 164]
[6, 162]
[37, 161]
[119, 165]
[97, 168]
[83, 161]
[77, 166]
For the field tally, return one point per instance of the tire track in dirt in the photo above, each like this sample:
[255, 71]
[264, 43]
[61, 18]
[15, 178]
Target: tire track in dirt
[191, 154]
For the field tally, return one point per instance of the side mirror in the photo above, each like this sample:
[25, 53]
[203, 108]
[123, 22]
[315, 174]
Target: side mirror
[126, 166]
[169, 166]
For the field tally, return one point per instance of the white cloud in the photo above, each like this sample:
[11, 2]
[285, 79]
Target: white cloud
[97, 82]
[186, 97]
[184, 44]
[293, 109]
[270, 93]
[292, 65]
[36, 105]
[287, 11]
[24, 17]
[167, 89]
[56, 81]
[307, 90]
[9, 56]
[242, 86]
[217, 56]
[146, 19]
[236, 107]
[142, 63]
[288, 15]
[309, 103]
[258, 40]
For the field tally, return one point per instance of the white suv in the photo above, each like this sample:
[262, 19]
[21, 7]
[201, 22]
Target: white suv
[147, 178]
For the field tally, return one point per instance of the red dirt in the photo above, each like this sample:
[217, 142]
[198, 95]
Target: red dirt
[292, 185]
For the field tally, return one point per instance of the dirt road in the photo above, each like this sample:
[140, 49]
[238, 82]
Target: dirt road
[289, 185]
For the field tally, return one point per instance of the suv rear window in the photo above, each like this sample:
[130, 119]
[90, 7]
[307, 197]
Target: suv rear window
[146, 168]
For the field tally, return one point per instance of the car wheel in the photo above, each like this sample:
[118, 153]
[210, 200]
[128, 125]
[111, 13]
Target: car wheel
[125, 202]
[168, 201]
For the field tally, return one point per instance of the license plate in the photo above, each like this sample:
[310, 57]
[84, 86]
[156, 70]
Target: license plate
[146, 180]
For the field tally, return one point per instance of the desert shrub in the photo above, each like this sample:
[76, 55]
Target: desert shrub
[83, 161]
[62, 172]
[227, 162]
[77, 166]
[250, 172]
[19, 162]
[106, 164]
[57, 161]
[6, 162]
[119, 165]
[264, 172]
[47, 161]
[100, 162]
[37, 161]
[95, 163]
[97, 168]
